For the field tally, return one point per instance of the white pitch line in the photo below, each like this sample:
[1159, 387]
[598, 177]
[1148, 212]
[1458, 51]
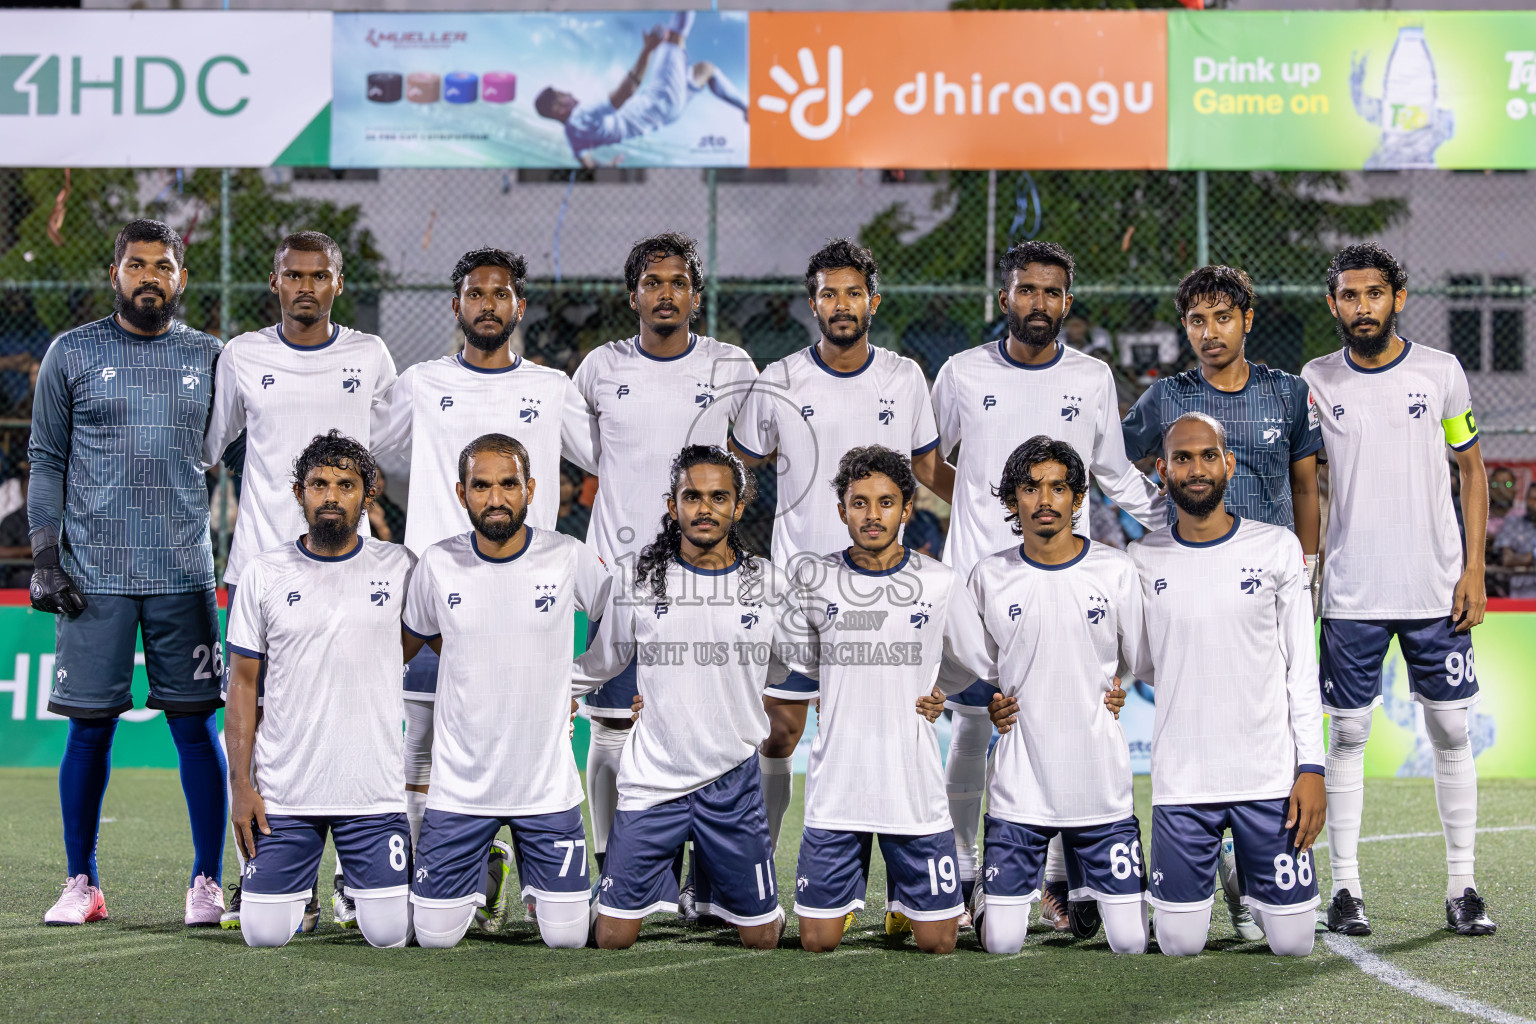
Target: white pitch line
[632, 972]
[1401, 980]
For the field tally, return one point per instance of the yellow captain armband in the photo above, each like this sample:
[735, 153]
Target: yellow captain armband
[1460, 431]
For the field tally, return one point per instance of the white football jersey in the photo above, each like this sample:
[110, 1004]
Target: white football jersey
[1230, 649]
[440, 406]
[282, 395]
[703, 657]
[1393, 548]
[500, 744]
[329, 740]
[647, 409]
[993, 404]
[877, 641]
[1059, 635]
[811, 415]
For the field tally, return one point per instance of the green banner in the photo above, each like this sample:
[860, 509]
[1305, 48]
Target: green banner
[1371, 90]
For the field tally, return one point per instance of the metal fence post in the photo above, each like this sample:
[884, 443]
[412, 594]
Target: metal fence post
[986, 307]
[1202, 221]
[712, 268]
[226, 321]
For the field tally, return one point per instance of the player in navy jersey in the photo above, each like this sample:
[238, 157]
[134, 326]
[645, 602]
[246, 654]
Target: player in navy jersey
[118, 512]
[1272, 432]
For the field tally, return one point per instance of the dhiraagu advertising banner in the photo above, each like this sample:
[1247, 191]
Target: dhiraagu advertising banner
[633, 89]
[1372, 90]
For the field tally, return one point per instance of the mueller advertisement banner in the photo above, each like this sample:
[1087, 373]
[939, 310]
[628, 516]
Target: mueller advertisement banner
[1346, 90]
[162, 88]
[977, 89]
[633, 89]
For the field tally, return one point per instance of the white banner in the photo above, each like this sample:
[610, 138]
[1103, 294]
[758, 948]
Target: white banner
[160, 88]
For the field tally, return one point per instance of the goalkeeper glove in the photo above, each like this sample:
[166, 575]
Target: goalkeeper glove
[52, 589]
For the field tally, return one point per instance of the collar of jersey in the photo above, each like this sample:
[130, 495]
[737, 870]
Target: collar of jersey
[1237, 521]
[335, 333]
[474, 542]
[329, 558]
[1064, 565]
[1002, 348]
[906, 556]
[842, 373]
[693, 339]
[1253, 371]
[1378, 369]
[486, 369]
[708, 572]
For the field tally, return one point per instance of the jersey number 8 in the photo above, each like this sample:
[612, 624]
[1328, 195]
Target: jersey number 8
[1288, 872]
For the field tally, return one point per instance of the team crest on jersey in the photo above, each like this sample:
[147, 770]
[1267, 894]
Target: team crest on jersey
[920, 616]
[1418, 404]
[544, 598]
[887, 411]
[350, 382]
[1158, 586]
[530, 411]
[801, 883]
[1270, 435]
[806, 412]
[108, 373]
[749, 619]
[705, 396]
[61, 675]
[623, 390]
[1251, 582]
[421, 874]
[380, 595]
[250, 868]
[1071, 407]
[454, 600]
[660, 609]
[988, 401]
[1097, 608]
[992, 872]
[188, 381]
[1157, 878]
[1014, 611]
[607, 883]
[293, 597]
[446, 402]
[267, 380]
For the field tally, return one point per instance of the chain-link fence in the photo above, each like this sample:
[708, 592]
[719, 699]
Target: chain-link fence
[1466, 239]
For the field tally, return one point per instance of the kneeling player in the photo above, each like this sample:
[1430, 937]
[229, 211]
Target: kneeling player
[875, 767]
[701, 620]
[1063, 620]
[1230, 649]
[496, 604]
[323, 614]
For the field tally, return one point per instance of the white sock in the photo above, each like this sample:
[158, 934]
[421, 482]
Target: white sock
[1004, 926]
[965, 782]
[1125, 925]
[415, 810]
[442, 927]
[270, 925]
[563, 925]
[1345, 783]
[1287, 934]
[603, 754]
[1455, 793]
[1182, 933]
[419, 726]
[385, 921]
[1055, 860]
[778, 792]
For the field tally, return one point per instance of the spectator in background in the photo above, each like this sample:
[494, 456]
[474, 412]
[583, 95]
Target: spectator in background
[1516, 547]
[1085, 337]
[774, 333]
[925, 533]
[385, 518]
[574, 516]
[1501, 499]
[15, 539]
[934, 337]
[1104, 519]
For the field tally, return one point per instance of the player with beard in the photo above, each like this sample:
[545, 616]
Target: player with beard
[1212, 570]
[807, 410]
[707, 620]
[317, 620]
[282, 385]
[988, 400]
[117, 506]
[651, 395]
[496, 603]
[438, 407]
[1394, 566]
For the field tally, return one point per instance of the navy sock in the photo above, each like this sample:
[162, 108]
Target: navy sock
[82, 784]
[202, 781]
[967, 886]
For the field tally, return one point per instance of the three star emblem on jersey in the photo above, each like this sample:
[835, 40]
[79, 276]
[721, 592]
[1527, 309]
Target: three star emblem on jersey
[544, 600]
[1097, 608]
[1251, 581]
[749, 620]
[887, 411]
[351, 382]
[380, 596]
[920, 616]
[446, 402]
[188, 381]
[1271, 435]
[529, 412]
[1418, 404]
[706, 396]
[293, 597]
[1071, 407]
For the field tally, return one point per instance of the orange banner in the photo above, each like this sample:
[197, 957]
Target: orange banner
[976, 89]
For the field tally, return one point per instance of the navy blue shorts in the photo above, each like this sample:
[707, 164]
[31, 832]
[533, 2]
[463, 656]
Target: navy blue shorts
[614, 699]
[374, 850]
[421, 675]
[451, 854]
[93, 670]
[1441, 673]
[729, 829]
[1103, 861]
[973, 699]
[1186, 840]
[920, 877]
[794, 686]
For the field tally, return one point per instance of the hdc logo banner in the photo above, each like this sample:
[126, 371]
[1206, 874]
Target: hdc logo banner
[968, 89]
[160, 88]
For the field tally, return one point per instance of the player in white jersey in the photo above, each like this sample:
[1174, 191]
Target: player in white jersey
[808, 410]
[318, 619]
[988, 400]
[282, 385]
[497, 603]
[1230, 650]
[704, 619]
[881, 619]
[1393, 566]
[651, 395]
[1063, 623]
[438, 407]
